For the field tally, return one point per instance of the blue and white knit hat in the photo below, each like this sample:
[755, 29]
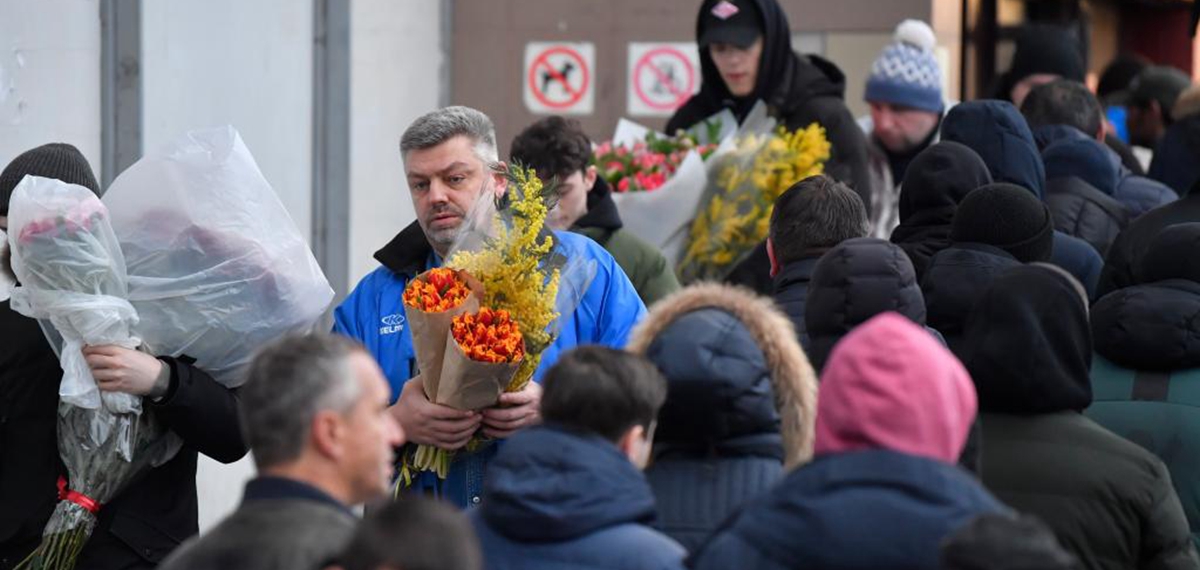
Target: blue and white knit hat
[907, 73]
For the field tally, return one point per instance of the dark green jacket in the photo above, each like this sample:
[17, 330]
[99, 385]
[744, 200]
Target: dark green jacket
[1159, 411]
[1109, 501]
[652, 276]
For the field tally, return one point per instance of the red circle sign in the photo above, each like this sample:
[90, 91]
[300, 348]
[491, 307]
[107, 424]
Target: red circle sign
[542, 64]
[680, 96]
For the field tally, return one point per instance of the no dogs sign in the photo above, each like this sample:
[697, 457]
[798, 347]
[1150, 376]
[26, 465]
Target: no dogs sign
[560, 78]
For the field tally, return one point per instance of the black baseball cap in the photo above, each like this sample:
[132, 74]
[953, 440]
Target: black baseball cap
[737, 22]
[1159, 83]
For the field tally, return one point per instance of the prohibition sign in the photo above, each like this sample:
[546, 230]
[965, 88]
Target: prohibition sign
[679, 95]
[542, 65]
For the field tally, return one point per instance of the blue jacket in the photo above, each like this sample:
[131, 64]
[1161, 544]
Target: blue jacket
[1175, 158]
[563, 500]
[858, 510]
[1137, 193]
[999, 134]
[374, 315]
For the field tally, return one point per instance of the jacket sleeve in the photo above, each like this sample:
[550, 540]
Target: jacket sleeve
[660, 280]
[1118, 267]
[1166, 540]
[849, 161]
[202, 412]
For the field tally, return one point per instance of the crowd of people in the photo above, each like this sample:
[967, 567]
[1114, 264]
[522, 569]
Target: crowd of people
[970, 344]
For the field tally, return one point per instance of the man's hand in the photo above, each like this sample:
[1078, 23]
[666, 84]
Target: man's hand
[433, 424]
[502, 422]
[119, 369]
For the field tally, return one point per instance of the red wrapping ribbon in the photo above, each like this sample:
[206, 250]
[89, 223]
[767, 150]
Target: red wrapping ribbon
[64, 494]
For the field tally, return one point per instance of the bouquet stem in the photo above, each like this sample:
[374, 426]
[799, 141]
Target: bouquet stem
[62, 543]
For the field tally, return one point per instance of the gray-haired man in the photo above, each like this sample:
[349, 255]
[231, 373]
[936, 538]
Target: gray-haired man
[450, 161]
[315, 413]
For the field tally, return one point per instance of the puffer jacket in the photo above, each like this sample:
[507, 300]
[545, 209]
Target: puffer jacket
[740, 406]
[883, 492]
[957, 277]
[1146, 374]
[1080, 182]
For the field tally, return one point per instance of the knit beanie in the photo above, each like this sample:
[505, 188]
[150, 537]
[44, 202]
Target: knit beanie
[906, 72]
[1006, 216]
[59, 161]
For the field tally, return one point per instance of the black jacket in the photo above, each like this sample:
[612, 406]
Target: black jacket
[1081, 179]
[1177, 156]
[998, 132]
[854, 281]
[791, 294]
[139, 527]
[936, 181]
[1110, 502]
[798, 90]
[1132, 243]
[957, 277]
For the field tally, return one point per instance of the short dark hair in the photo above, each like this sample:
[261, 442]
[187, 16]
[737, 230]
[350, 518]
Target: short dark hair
[413, 534]
[288, 382]
[816, 213]
[553, 146]
[1063, 102]
[602, 390]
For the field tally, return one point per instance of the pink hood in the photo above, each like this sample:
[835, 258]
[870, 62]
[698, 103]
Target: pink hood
[890, 385]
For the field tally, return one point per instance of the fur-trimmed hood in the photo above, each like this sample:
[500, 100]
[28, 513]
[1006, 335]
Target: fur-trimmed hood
[734, 367]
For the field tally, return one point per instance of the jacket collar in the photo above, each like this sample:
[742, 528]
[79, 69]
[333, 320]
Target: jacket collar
[602, 210]
[407, 253]
[798, 272]
[266, 488]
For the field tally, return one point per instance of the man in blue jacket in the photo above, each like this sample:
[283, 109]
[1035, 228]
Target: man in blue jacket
[451, 162]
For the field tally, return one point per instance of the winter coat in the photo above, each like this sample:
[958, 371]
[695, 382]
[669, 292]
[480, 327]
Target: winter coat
[146, 521]
[856, 280]
[998, 132]
[1132, 243]
[1134, 191]
[791, 293]
[936, 181]
[894, 412]
[559, 500]
[374, 315]
[798, 90]
[1080, 182]
[1109, 501]
[740, 405]
[1177, 156]
[1145, 375]
[647, 269]
[282, 524]
[957, 277]
[754, 272]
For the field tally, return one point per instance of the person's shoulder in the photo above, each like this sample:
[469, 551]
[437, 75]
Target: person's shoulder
[654, 549]
[626, 241]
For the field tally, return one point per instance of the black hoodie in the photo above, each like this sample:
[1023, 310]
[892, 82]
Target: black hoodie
[936, 181]
[798, 90]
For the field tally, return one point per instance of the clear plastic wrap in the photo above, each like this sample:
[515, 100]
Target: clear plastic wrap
[216, 265]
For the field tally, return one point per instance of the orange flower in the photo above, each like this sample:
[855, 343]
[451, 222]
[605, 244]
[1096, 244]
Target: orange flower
[489, 336]
[437, 291]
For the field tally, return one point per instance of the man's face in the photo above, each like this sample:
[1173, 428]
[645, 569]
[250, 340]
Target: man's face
[899, 128]
[738, 66]
[373, 433]
[1024, 86]
[572, 199]
[445, 182]
[1145, 125]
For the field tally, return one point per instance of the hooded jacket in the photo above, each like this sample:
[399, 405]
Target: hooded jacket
[798, 90]
[1177, 156]
[647, 269]
[956, 278]
[740, 406]
[894, 412]
[1132, 243]
[791, 294]
[999, 134]
[1080, 182]
[1148, 342]
[1109, 501]
[558, 499]
[1137, 193]
[854, 281]
[937, 180]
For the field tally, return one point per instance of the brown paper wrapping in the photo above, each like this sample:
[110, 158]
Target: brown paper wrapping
[469, 384]
[430, 330]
